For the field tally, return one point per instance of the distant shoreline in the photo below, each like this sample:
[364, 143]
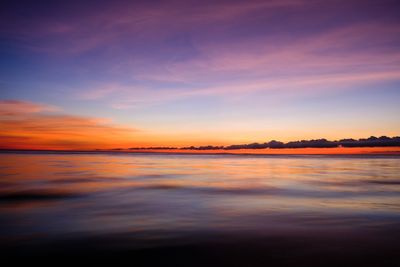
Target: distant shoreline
[264, 151]
[372, 144]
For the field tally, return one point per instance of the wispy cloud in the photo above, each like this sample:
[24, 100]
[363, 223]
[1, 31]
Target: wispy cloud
[16, 107]
[31, 125]
[72, 29]
[345, 57]
[125, 97]
[354, 48]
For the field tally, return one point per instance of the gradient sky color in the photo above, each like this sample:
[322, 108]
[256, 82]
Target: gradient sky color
[102, 74]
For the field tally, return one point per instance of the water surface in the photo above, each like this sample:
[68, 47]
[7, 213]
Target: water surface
[340, 205]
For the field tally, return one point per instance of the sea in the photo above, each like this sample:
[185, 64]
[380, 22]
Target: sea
[200, 210]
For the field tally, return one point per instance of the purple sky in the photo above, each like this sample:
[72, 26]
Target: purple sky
[198, 72]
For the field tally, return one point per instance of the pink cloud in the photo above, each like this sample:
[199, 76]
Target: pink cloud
[339, 50]
[30, 125]
[77, 33]
[310, 64]
[15, 107]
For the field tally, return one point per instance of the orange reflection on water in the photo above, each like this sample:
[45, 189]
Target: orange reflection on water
[104, 192]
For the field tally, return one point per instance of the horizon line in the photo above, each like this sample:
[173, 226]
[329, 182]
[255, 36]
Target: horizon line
[370, 142]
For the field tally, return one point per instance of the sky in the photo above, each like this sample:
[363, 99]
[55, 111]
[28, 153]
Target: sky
[106, 74]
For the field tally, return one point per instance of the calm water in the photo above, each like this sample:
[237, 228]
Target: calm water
[149, 200]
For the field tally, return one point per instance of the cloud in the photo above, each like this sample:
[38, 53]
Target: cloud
[356, 48]
[125, 97]
[34, 126]
[71, 28]
[121, 96]
[15, 107]
[343, 57]
[100, 92]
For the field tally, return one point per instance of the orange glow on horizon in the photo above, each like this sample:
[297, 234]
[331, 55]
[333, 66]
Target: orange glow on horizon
[31, 126]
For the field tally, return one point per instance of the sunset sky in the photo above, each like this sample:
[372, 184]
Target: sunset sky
[103, 74]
